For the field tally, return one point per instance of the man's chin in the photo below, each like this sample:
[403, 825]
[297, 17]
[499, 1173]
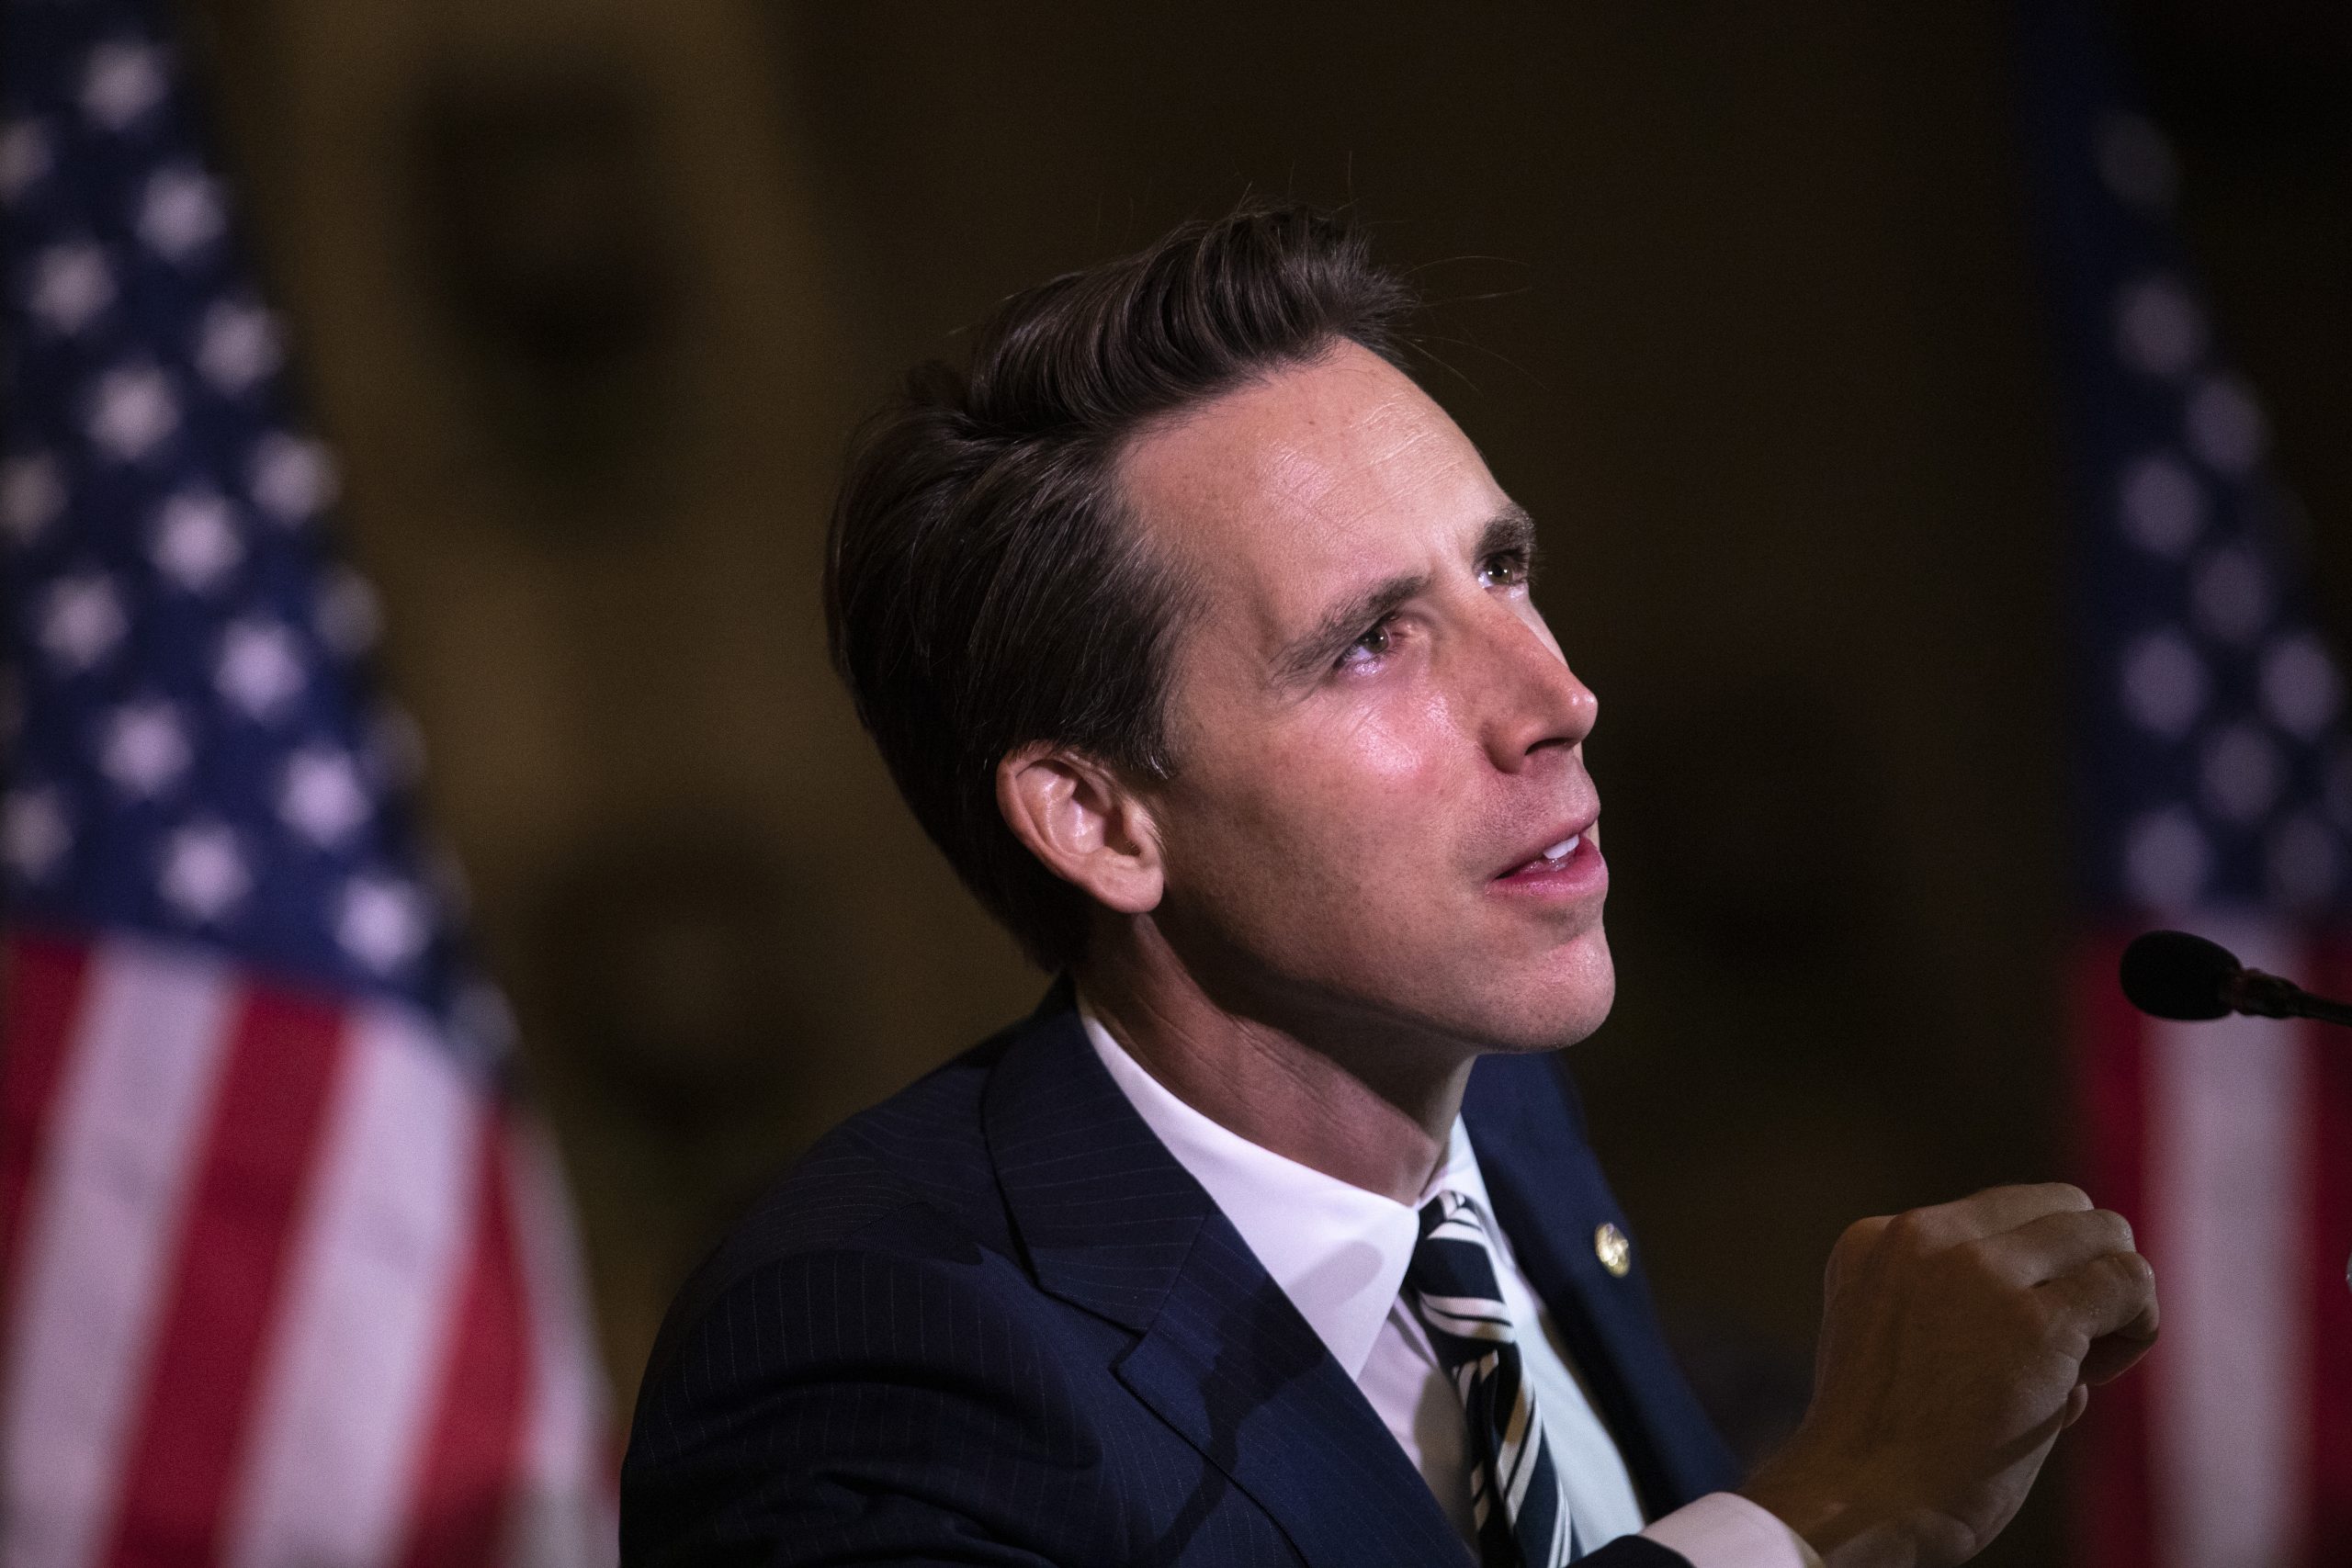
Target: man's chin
[1555, 1007]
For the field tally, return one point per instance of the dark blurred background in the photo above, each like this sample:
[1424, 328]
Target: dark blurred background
[1739, 300]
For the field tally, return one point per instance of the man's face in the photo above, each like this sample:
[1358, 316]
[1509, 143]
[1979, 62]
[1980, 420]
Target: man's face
[1376, 736]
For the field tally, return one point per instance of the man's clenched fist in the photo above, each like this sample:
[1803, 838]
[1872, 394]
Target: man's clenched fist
[1956, 1342]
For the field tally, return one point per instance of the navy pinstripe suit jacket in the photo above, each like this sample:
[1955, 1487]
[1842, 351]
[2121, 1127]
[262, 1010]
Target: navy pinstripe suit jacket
[992, 1321]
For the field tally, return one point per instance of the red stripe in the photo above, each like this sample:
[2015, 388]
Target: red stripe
[2327, 1243]
[283, 1056]
[2109, 1450]
[473, 1456]
[41, 990]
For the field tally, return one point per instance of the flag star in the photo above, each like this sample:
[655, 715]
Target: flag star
[2230, 594]
[71, 284]
[448, 873]
[323, 798]
[123, 81]
[2306, 861]
[2165, 859]
[2225, 424]
[2242, 772]
[237, 345]
[195, 542]
[260, 668]
[2165, 684]
[36, 833]
[81, 621]
[2135, 161]
[24, 158]
[2301, 689]
[293, 479]
[205, 872]
[396, 748]
[135, 410]
[33, 493]
[2164, 504]
[181, 212]
[2158, 327]
[348, 615]
[382, 922]
[145, 748]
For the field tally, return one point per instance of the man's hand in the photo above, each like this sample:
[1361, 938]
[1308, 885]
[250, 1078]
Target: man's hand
[1956, 1342]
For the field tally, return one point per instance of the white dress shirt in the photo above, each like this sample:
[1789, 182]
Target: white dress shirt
[1339, 1252]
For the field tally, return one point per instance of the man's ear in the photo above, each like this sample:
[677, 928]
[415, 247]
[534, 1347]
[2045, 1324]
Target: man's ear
[1083, 821]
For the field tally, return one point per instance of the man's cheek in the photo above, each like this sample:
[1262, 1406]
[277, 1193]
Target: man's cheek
[1394, 746]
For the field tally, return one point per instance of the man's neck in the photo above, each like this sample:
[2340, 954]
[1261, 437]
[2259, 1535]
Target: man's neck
[1373, 1105]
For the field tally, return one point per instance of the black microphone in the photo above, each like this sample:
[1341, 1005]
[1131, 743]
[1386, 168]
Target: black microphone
[2177, 975]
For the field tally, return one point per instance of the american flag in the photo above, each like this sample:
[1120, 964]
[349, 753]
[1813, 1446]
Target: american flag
[288, 1280]
[2214, 793]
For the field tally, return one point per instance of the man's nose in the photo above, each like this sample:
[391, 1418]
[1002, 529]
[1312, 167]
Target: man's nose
[1535, 703]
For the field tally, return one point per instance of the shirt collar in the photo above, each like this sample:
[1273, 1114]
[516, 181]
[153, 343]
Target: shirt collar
[1338, 1251]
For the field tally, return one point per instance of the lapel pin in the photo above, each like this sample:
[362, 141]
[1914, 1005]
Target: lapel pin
[1615, 1252]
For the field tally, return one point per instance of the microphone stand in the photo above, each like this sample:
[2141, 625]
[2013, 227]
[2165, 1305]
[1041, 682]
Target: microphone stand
[2268, 996]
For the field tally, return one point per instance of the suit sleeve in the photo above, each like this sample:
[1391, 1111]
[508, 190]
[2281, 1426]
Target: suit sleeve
[1633, 1551]
[848, 1406]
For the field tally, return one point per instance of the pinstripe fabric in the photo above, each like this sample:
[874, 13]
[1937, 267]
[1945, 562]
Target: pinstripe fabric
[993, 1321]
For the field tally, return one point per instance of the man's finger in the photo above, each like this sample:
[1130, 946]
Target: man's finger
[2112, 1356]
[1853, 1248]
[1990, 1213]
[2110, 1297]
[2055, 1244]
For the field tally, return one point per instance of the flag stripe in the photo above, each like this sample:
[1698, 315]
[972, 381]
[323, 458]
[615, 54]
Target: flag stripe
[345, 1402]
[566, 1514]
[2113, 1505]
[461, 1510]
[2326, 1242]
[2225, 1183]
[104, 1213]
[283, 1053]
[42, 992]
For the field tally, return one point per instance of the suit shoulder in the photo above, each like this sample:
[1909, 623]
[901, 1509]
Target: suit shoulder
[910, 1175]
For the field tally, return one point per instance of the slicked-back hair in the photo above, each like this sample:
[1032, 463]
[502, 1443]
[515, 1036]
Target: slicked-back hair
[986, 587]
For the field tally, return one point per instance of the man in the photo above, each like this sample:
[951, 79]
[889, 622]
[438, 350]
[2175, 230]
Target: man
[1202, 642]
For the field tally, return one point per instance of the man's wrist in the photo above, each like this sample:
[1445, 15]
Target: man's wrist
[1826, 1516]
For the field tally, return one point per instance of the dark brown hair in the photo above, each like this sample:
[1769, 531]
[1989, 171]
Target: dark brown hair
[984, 587]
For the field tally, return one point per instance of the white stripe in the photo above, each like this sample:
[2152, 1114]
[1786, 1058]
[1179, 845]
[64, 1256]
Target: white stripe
[1519, 1447]
[103, 1223]
[2227, 1197]
[1463, 1326]
[565, 1518]
[347, 1394]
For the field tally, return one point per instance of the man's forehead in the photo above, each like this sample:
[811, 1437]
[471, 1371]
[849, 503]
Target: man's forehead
[1276, 493]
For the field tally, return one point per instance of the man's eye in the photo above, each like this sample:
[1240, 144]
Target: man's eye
[1505, 570]
[1375, 644]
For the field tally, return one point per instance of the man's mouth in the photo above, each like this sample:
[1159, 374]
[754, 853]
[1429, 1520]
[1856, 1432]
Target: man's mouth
[1551, 859]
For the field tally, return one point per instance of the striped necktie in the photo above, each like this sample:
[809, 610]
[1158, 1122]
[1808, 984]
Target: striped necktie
[1516, 1502]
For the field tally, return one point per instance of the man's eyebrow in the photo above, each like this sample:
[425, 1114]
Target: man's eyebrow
[1511, 529]
[1307, 657]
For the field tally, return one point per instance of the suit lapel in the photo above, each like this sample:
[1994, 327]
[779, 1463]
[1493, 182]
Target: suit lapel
[1111, 1223]
[1551, 1199]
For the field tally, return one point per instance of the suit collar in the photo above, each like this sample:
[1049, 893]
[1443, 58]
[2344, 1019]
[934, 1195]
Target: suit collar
[1111, 1223]
[1106, 1214]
